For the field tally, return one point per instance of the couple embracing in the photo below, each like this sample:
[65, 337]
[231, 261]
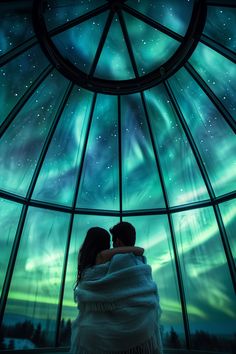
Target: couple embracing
[117, 298]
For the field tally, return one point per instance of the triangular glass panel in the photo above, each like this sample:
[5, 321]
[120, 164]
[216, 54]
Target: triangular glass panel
[141, 183]
[59, 12]
[114, 62]
[16, 24]
[57, 178]
[21, 145]
[151, 47]
[173, 14]
[79, 44]
[214, 138]
[99, 186]
[26, 68]
[183, 181]
[220, 26]
[218, 72]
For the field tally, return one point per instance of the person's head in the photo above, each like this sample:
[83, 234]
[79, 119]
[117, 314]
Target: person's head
[96, 240]
[123, 234]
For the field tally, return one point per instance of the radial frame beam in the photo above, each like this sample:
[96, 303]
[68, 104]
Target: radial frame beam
[173, 241]
[101, 42]
[119, 125]
[128, 43]
[71, 223]
[214, 99]
[19, 105]
[152, 23]
[19, 49]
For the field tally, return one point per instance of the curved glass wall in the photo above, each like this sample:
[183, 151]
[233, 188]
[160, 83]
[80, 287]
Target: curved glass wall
[162, 158]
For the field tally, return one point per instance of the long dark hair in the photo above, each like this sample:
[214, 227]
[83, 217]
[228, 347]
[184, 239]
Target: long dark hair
[96, 240]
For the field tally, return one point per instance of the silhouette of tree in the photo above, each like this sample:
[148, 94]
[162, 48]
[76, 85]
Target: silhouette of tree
[65, 332]
[2, 335]
[11, 344]
[172, 339]
[37, 335]
[68, 331]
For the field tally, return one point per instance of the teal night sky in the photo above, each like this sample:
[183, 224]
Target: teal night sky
[163, 158]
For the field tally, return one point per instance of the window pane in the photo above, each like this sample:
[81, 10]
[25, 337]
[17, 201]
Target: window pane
[173, 14]
[99, 183]
[153, 234]
[183, 180]
[220, 25]
[26, 68]
[151, 47]
[114, 62]
[57, 178]
[34, 292]
[81, 225]
[21, 145]
[214, 138]
[9, 217]
[16, 24]
[219, 74]
[208, 287]
[76, 45]
[59, 12]
[228, 211]
[141, 183]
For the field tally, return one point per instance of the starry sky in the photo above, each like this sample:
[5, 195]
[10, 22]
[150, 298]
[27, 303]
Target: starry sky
[86, 142]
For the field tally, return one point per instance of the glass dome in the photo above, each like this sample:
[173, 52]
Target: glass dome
[118, 110]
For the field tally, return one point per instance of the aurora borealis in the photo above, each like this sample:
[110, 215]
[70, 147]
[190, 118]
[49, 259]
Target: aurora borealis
[163, 158]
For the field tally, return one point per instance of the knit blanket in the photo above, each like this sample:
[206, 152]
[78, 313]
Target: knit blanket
[118, 309]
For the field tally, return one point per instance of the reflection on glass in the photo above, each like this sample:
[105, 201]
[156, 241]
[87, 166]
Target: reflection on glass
[26, 68]
[16, 24]
[34, 293]
[141, 183]
[214, 138]
[153, 234]
[151, 47]
[114, 62]
[57, 178]
[99, 182]
[79, 44]
[59, 12]
[9, 216]
[81, 225]
[173, 14]
[183, 181]
[219, 74]
[228, 211]
[208, 287]
[21, 145]
[220, 25]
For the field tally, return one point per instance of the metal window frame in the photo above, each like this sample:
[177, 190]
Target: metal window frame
[187, 45]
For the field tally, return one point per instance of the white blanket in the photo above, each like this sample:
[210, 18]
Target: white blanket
[118, 309]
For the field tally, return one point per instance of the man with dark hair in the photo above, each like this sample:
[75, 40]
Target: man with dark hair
[123, 234]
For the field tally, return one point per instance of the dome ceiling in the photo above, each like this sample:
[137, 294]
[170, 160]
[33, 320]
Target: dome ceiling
[117, 110]
[136, 44]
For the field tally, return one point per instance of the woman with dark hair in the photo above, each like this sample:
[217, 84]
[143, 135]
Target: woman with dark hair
[97, 239]
[117, 300]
